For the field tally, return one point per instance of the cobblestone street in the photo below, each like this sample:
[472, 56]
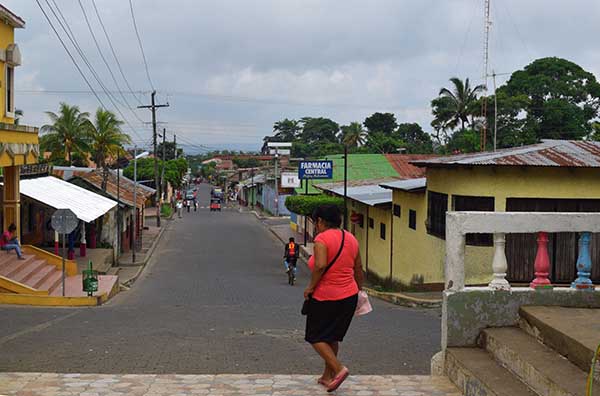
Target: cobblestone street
[259, 384]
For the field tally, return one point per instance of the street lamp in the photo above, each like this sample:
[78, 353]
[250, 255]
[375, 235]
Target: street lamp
[136, 156]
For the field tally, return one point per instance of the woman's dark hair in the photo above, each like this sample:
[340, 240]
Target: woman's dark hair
[12, 227]
[330, 214]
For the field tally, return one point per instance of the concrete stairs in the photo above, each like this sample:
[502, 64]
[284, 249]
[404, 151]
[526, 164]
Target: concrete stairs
[537, 358]
[35, 281]
[33, 272]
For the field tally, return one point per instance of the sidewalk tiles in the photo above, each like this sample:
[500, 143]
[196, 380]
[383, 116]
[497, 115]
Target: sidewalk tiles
[37, 384]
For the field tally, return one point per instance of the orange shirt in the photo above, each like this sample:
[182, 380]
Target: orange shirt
[338, 283]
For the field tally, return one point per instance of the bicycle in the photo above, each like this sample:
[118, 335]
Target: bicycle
[291, 271]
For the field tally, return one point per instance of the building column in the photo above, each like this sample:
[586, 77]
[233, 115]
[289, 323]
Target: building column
[12, 198]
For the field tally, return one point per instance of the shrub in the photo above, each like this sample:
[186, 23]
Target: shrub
[166, 210]
[306, 204]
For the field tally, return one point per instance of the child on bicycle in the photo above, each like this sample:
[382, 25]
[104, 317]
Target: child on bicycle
[291, 253]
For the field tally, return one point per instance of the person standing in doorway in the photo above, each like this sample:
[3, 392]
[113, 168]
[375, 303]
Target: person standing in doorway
[332, 293]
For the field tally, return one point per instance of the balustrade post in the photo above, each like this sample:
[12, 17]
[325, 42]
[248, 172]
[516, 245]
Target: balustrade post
[499, 264]
[542, 264]
[584, 264]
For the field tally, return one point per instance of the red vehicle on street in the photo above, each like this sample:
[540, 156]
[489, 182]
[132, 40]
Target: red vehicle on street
[215, 204]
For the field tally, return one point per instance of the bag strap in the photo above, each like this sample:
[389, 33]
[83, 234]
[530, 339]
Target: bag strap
[336, 256]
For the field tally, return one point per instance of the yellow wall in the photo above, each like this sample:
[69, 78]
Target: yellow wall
[376, 256]
[419, 256]
[7, 36]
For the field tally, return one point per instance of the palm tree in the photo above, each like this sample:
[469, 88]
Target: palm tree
[106, 140]
[68, 131]
[353, 135]
[460, 100]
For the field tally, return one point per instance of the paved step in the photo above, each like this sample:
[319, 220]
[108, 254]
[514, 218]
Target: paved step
[541, 368]
[572, 332]
[41, 276]
[12, 266]
[28, 270]
[52, 282]
[476, 373]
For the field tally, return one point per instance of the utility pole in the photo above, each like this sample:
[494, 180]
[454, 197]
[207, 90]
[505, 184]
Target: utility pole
[486, 58]
[163, 186]
[135, 212]
[276, 185]
[175, 144]
[153, 106]
[345, 186]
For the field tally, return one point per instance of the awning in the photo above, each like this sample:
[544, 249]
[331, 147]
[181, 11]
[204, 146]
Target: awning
[59, 194]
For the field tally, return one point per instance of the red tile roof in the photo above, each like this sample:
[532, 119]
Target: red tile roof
[402, 164]
[126, 191]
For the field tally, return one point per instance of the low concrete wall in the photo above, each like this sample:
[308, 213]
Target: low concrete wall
[465, 313]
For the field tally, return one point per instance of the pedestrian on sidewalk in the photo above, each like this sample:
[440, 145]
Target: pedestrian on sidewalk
[9, 241]
[332, 293]
[179, 208]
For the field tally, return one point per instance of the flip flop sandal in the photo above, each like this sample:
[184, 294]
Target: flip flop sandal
[321, 381]
[338, 380]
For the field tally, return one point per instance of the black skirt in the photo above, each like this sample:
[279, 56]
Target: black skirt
[328, 321]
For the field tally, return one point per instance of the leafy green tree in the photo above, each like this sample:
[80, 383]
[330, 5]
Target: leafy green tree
[67, 133]
[353, 135]
[415, 139]
[174, 170]
[457, 107]
[379, 142]
[563, 98]
[464, 141]
[246, 162]
[106, 140]
[381, 122]
[287, 130]
[319, 130]
[169, 150]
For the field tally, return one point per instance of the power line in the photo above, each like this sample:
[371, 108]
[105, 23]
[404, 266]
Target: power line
[73, 40]
[137, 33]
[87, 21]
[113, 51]
[69, 53]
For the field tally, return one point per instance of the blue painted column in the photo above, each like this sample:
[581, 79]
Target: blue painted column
[584, 264]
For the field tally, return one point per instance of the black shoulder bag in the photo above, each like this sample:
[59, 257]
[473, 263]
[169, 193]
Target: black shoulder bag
[306, 304]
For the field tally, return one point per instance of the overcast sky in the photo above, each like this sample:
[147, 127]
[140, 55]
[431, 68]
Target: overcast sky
[231, 68]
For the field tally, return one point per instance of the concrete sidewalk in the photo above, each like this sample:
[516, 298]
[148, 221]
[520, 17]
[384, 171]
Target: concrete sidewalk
[37, 384]
[284, 232]
[150, 238]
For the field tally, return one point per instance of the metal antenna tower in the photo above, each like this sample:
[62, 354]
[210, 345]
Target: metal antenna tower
[486, 46]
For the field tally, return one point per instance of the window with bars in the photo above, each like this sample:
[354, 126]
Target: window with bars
[437, 206]
[412, 219]
[382, 231]
[397, 210]
[476, 204]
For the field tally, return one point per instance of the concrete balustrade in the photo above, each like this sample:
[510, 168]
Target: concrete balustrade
[459, 224]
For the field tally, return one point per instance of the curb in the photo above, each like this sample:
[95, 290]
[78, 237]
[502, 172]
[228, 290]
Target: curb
[149, 253]
[403, 299]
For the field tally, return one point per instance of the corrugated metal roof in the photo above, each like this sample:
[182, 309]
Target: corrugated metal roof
[406, 185]
[258, 179]
[125, 191]
[370, 195]
[555, 153]
[59, 194]
[402, 163]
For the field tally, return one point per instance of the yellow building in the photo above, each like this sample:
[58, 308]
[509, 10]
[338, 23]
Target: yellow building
[553, 176]
[370, 219]
[19, 144]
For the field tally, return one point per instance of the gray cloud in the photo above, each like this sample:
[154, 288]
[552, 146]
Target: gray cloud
[231, 68]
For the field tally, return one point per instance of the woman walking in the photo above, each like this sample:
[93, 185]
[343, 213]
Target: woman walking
[332, 294]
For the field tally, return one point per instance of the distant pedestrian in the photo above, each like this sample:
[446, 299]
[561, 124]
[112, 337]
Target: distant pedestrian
[179, 208]
[332, 294]
[290, 254]
[9, 241]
